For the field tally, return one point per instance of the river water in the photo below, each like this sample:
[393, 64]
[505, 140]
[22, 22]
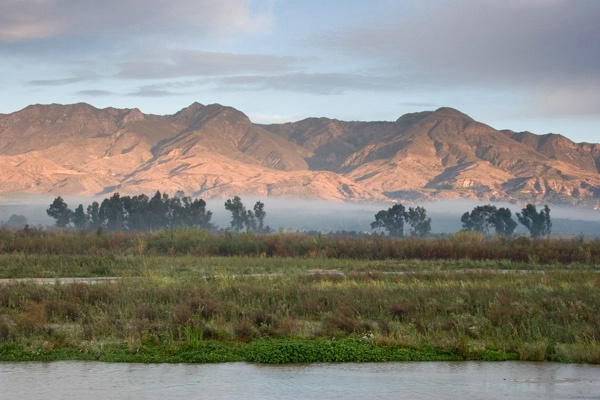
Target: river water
[411, 380]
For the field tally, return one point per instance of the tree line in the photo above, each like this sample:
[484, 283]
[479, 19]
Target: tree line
[141, 213]
[137, 213]
[481, 219]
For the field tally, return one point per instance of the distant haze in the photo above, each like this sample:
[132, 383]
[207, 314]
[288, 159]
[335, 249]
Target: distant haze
[304, 215]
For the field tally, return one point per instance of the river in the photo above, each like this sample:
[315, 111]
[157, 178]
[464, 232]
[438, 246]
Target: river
[347, 381]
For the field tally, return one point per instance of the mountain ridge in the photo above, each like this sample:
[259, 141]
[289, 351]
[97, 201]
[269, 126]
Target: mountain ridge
[217, 151]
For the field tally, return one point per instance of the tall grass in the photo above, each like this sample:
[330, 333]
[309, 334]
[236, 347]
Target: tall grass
[184, 241]
[190, 295]
[466, 314]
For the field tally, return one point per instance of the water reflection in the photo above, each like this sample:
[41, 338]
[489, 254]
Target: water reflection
[415, 380]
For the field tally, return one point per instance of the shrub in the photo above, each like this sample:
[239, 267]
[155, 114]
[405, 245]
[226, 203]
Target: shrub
[5, 329]
[33, 319]
[61, 309]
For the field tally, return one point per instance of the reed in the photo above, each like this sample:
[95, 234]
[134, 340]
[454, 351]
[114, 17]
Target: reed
[195, 242]
[291, 297]
[466, 314]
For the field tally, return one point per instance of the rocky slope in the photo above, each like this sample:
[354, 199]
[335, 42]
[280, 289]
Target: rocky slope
[216, 151]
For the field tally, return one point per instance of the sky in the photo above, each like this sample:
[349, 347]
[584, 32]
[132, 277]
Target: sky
[513, 64]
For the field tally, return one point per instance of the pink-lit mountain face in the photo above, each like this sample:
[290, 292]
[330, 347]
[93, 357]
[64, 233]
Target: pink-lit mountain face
[215, 151]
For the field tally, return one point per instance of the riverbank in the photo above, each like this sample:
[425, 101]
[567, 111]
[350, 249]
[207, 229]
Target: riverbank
[286, 316]
[171, 307]
[267, 351]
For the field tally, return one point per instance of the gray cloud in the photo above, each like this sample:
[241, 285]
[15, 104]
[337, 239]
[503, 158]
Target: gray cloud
[537, 57]
[564, 100]
[152, 92]
[54, 82]
[201, 63]
[76, 78]
[316, 83]
[25, 20]
[483, 42]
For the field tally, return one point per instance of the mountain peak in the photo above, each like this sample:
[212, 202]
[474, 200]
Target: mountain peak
[191, 109]
[37, 110]
[450, 112]
[132, 116]
[189, 113]
[197, 112]
[226, 112]
[442, 112]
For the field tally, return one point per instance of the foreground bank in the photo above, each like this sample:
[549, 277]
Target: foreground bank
[270, 351]
[315, 316]
[186, 308]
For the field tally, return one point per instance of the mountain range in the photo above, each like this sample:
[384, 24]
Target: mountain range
[215, 151]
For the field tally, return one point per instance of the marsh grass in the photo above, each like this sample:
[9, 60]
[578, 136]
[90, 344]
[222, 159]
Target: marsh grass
[181, 242]
[292, 297]
[467, 315]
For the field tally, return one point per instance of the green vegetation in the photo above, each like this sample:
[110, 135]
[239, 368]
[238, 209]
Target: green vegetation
[137, 213]
[252, 221]
[60, 211]
[187, 295]
[484, 218]
[15, 221]
[537, 222]
[200, 243]
[393, 219]
[143, 214]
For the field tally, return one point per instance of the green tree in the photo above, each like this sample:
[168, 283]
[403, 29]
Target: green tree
[15, 221]
[391, 220]
[197, 214]
[80, 220]
[538, 223]
[479, 219]
[239, 215]
[136, 209]
[503, 222]
[112, 213]
[420, 224]
[485, 218]
[259, 215]
[93, 215]
[157, 212]
[178, 214]
[250, 220]
[60, 211]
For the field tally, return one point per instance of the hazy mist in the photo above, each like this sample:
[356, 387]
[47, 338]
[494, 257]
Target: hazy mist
[308, 215]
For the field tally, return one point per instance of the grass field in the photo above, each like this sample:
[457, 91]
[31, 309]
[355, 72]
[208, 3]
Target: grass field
[192, 296]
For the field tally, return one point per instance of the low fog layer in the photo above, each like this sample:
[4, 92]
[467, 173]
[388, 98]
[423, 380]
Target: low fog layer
[304, 215]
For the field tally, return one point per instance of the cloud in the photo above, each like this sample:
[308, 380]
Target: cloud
[54, 82]
[171, 64]
[565, 100]
[481, 42]
[76, 78]
[24, 20]
[151, 91]
[300, 82]
[316, 83]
